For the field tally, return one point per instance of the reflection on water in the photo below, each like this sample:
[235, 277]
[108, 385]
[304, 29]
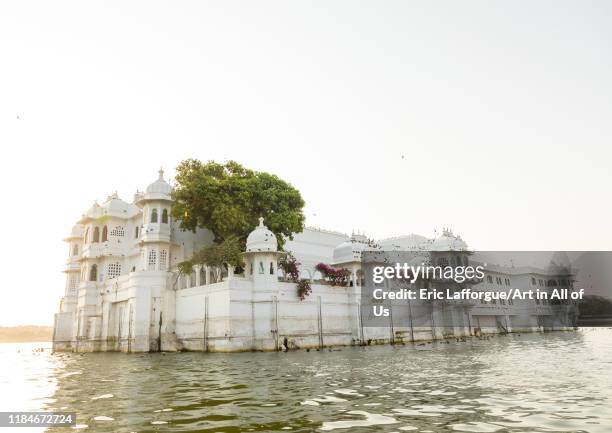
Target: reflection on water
[557, 382]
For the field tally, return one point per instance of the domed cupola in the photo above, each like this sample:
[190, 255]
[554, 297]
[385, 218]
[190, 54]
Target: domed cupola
[350, 251]
[158, 190]
[95, 211]
[261, 239]
[115, 206]
[449, 242]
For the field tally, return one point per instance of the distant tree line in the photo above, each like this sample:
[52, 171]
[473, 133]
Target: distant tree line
[595, 306]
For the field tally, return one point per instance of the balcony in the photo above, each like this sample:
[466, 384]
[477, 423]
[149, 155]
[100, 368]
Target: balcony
[156, 232]
[108, 248]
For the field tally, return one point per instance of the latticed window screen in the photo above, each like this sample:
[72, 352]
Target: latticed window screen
[152, 259]
[113, 270]
[163, 259]
[117, 232]
[74, 282]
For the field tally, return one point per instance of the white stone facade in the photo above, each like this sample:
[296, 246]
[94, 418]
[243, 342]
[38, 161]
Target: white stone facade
[123, 291]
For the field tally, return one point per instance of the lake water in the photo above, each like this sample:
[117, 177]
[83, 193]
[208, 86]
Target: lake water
[553, 382]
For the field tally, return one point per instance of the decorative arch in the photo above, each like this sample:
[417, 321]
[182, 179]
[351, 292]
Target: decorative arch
[306, 274]
[104, 234]
[164, 218]
[96, 235]
[154, 215]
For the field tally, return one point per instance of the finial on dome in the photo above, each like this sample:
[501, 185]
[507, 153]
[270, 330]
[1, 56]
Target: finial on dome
[261, 220]
[161, 173]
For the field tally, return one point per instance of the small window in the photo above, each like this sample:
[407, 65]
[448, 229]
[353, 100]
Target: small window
[271, 268]
[104, 234]
[163, 259]
[96, 235]
[152, 259]
[489, 279]
[154, 216]
[93, 273]
[533, 281]
[136, 230]
[117, 232]
[113, 270]
[165, 216]
[261, 268]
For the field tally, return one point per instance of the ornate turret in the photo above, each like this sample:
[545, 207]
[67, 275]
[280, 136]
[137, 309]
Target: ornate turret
[155, 233]
[261, 256]
[261, 239]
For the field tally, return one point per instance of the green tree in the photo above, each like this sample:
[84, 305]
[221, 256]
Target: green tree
[228, 199]
[595, 306]
[228, 252]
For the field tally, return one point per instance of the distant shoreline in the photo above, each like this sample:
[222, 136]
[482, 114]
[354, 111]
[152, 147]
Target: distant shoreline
[26, 334]
[603, 321]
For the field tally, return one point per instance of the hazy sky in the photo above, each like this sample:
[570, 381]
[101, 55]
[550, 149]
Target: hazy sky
[501, 110]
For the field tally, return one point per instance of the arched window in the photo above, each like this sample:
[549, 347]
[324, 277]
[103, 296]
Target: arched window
[136, 232]
[86, 236]
[96, 235]
[93, 272]
[165, 216]
[154, 216]
[261, 268]
[104, 234]
[271, 268]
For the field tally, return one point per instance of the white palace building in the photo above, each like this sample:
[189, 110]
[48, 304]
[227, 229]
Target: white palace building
[123, 291]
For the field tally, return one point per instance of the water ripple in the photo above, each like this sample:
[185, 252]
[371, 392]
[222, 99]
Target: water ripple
[555, 382]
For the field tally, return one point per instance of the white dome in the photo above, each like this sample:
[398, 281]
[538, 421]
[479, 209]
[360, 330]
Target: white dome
[261, 239]
[406, 242]
[448, 242]
[114, 205]
[158, 190]
[350, 251]
[94, 211]
[76, 232]
[160, 186]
